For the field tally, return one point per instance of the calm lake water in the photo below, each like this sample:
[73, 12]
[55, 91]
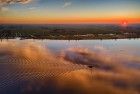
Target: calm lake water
[70, 66]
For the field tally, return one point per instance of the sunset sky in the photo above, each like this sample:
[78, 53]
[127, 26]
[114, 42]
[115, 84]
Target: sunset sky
[69, 11]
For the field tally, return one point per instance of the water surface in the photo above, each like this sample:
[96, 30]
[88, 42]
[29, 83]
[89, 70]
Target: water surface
[70, 66]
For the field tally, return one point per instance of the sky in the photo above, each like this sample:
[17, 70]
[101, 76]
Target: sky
[69, 11]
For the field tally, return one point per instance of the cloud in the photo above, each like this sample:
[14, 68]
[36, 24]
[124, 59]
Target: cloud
[14, 1]
[4, 3]
[66, 4]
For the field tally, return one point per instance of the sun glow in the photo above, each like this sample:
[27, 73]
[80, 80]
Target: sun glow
[124, 23]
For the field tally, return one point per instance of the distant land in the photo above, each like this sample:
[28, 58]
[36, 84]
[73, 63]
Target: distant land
[69, 31]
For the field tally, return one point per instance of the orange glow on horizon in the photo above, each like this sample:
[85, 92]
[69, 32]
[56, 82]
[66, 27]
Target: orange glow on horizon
[67, 20]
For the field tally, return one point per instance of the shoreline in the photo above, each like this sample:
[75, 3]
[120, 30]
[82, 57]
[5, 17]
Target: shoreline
[26, 38]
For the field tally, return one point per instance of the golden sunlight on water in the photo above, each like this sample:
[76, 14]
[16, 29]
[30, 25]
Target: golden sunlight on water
[30, 68]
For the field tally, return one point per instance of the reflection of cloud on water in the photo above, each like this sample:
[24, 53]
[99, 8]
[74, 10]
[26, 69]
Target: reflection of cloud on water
[30, 68]
[119, 70]
[30, 62]
[99, 56]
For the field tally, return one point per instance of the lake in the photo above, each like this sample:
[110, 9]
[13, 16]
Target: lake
[70, 66]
